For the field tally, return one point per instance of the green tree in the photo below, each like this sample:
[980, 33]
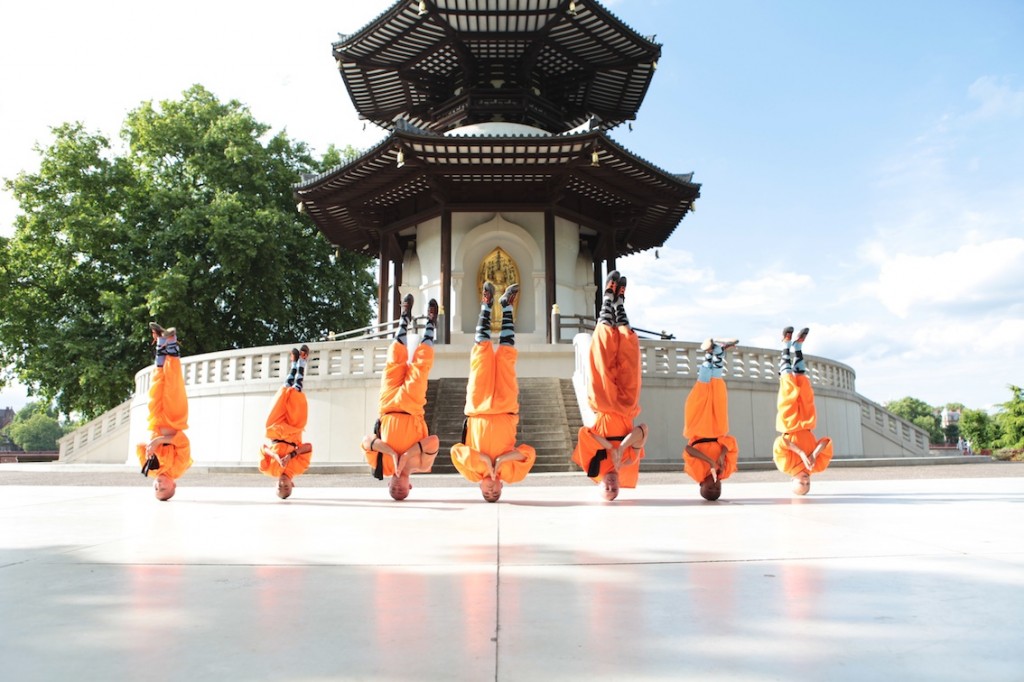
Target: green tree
[1010, 420]
[978, 427]
[920, 414]
[35, 428]
[191, 223]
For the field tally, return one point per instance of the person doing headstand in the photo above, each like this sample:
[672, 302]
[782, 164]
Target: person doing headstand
[401, 443]
[611, 449]
[710, 453]
[488, 453]
[284, 456]
[167, 456]
[797, 452]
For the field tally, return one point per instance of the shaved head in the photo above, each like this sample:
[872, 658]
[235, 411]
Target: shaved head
[164, 487]
[491, 488]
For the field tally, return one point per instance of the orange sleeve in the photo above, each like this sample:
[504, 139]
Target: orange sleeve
[607, 426]
[175, 459]
[296, 466]
[698, 469]
[469, 462]
[400, 431]
[513, 472]
[790, 463]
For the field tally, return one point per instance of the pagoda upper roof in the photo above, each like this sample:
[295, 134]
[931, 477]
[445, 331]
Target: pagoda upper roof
[441, 64]
[413, 175]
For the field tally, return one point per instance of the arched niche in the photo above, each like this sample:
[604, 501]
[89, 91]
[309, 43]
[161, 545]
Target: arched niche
[523, 248]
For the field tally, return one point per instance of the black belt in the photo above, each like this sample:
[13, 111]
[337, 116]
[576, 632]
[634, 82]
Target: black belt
[594, 467]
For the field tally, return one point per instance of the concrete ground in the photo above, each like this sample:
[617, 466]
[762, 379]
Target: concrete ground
[911, 573]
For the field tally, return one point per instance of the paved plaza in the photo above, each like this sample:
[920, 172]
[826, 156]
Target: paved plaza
[909, 573]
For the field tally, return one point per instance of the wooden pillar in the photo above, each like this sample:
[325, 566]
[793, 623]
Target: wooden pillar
[396, 299]
[383, 272]
[549, 267]
[446, 272]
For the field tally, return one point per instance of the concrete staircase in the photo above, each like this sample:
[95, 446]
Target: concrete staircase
[549, 419]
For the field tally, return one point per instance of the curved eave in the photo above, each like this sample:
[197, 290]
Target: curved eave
[404, 64]
[634, 204]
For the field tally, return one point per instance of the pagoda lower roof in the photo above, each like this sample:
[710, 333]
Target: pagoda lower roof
[413, 176]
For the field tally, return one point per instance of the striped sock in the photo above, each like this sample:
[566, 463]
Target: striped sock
[161, 351]
[786, 361]
[403, 328]
[621, 319]
[300, 374]
[800, 367]
[429, 327]
[294, 357]
[483, 326]
[717, 361]
[607, 315]
[508, 327]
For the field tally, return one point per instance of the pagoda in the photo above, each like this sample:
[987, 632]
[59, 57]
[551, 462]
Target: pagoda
[497, 163]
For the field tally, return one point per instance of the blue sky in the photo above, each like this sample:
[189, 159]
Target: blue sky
[862, 163]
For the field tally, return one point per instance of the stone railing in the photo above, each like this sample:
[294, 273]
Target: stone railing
[683, 358]
[99, 428]
[876, 417]
[364, 358]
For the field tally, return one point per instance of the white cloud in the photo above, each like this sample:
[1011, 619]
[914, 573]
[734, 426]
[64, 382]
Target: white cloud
[996, 99]
[974, 274]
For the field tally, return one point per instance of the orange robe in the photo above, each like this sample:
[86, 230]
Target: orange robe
[706, 429]
[403, 396]
[795, 418]
[285, 424]
[614, 395]
[492, 414]
[168, 409]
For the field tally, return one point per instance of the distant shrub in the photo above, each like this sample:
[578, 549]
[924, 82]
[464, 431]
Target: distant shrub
[1009, 454]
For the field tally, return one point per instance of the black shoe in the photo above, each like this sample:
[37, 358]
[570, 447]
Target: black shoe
[407, 306]
[620, 288]
[487, 295]
[803, 334]
[787, 334]
[611, 284]
[509, 297]
[432, 309]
